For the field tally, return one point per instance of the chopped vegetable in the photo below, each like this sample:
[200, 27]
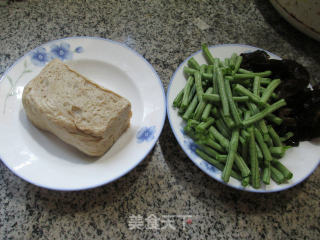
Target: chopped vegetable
[222, 92]
[186, 93]
[216, 163]
[264, 112]
[232, 149]
[255, 175]
[207, 54]
[268, 92]
[233, 107]
[192, 63]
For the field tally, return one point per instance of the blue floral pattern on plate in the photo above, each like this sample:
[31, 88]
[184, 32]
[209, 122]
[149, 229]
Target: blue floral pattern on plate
[191, 145]
[208, 166]
[183, 132]
[40, 57]
[146, 134]
[61, 51]
[79, 50]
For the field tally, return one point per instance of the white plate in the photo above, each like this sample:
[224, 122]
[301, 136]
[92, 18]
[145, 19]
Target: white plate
[302, 160]
[303, 15]
[41, 158]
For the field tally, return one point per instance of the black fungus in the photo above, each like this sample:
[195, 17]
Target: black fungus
[302, 113]
[293, 75]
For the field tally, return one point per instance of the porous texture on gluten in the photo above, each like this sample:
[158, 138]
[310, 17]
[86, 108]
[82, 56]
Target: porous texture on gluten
[76, 110]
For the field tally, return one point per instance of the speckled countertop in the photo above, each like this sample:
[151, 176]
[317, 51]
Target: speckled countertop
[166, 182]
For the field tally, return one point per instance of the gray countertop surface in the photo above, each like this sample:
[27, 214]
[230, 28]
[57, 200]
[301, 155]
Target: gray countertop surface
[166, 182]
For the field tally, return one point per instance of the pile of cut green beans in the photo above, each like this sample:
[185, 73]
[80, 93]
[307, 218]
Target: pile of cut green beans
[229, 114]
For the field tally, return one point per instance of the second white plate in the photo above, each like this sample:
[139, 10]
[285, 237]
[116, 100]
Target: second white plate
[302, 160]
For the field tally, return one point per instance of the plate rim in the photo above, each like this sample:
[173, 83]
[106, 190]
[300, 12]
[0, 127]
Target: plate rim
[295, 22]
[202, 168]
[148, 150]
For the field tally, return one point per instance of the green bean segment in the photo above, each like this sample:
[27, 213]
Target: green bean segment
[216, 98]
[192, 63]
[207, 54]
[186, 93]
[268, 92]
[223, 95]
[255, 175]
[232, 149]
